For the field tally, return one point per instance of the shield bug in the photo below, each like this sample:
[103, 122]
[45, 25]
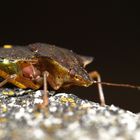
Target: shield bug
[37, 64]
[27, 66]
[66, 68]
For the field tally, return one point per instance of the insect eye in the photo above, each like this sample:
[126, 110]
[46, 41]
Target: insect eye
[76, 78]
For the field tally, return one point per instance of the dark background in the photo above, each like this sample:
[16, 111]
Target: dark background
[107, 30]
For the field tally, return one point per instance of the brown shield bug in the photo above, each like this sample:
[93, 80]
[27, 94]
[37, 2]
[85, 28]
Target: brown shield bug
[37, 64]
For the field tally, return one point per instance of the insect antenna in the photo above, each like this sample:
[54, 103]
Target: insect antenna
[117, 85]
[96, 75]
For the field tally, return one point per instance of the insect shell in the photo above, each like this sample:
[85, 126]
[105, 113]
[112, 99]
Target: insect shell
[65, 67]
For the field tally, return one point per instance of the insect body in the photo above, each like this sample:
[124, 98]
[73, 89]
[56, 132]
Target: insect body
[36, 64]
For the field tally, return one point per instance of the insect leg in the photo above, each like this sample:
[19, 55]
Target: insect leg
[17, 80]
[93, 75]
[45, 94]
[7, 79]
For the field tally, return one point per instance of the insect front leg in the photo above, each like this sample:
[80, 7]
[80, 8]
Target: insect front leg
[45, 96]
[45, 88]
[93, 75]
[9, 77]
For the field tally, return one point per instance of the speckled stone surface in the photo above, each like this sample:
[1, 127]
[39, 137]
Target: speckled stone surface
[66, 118]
